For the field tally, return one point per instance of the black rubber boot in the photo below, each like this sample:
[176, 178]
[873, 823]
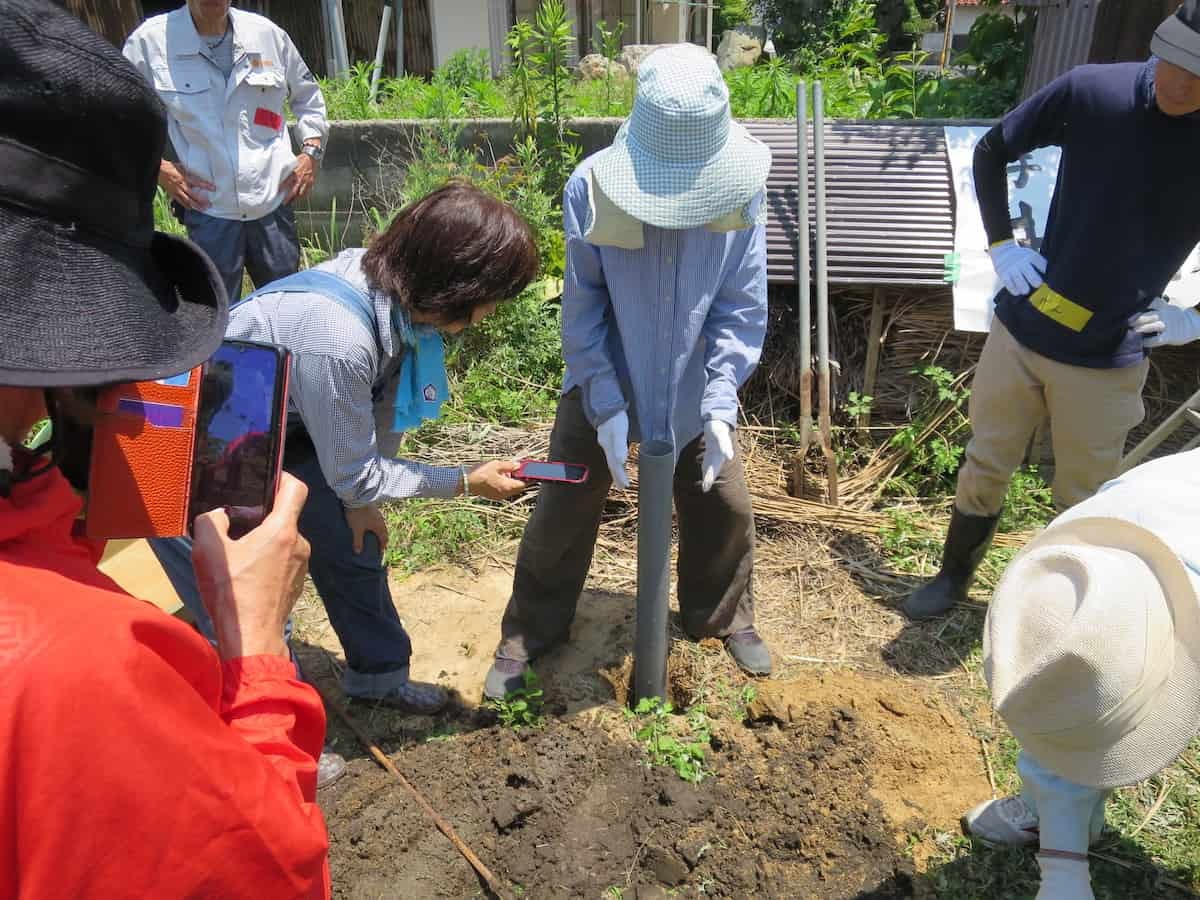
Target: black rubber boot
[967, 541]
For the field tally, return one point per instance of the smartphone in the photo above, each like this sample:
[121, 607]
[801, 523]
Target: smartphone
[165, 451]
[537, 470]
[239, 433]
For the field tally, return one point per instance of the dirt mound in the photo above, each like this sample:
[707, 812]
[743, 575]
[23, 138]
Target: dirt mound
[797, 806]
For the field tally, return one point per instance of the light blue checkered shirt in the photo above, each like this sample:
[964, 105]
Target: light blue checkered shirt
[335, 361]
[675, 327]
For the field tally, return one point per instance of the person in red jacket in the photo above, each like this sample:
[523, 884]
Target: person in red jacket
[136, 760]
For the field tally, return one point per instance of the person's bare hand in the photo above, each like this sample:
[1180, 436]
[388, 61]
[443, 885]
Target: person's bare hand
[249, 585]
[364, 519]
[297, 185]
[184, 187]
[493, 481]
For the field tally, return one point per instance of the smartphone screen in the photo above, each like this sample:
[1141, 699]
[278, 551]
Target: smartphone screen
[239, 433]
[553, 471]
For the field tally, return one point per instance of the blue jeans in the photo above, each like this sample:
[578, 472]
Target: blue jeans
[268, 247]
[353, 587]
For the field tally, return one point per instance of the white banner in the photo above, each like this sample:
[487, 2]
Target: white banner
[1030, 188]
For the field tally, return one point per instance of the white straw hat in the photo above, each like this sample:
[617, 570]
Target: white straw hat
[679, 160]
[1092, 652]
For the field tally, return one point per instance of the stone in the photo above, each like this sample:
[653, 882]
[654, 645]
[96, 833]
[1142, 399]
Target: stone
[738, 50]
[632, 55]
[668, 868]
[594, 67]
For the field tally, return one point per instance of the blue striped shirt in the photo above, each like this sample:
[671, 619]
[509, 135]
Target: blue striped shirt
[668, 332]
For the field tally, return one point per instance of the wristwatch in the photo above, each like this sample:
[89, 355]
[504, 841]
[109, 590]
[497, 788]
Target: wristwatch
[315, 151]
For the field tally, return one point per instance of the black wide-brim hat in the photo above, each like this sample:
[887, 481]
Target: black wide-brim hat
[90, 294]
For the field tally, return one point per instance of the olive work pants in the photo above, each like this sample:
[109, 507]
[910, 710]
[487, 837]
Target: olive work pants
[1091, 413]
[716, 544]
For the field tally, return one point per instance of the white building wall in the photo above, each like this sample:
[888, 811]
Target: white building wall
[458, 24]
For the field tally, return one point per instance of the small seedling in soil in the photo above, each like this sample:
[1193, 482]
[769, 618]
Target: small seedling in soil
[521, 708]
[684, 754]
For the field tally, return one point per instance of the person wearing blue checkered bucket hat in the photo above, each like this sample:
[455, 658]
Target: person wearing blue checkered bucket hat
[679, 160]
[664, 315]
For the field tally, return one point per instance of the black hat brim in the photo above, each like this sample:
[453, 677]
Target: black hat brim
[78, 309]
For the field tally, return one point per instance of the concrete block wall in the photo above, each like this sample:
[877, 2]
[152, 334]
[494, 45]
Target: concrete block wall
[360, 154]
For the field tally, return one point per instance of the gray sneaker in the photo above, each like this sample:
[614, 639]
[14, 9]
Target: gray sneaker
[750, 652]
[330, 767]
[413, 697]
[504, 677]
[1005, 821]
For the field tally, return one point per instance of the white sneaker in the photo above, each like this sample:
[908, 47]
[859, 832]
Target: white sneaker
[1004, 821]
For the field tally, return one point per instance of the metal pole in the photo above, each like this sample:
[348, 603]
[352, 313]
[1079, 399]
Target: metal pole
[948, 36]
[708, 13]
[637, 21]
[804, 277]
[656, 478]
[327, 25]
[380, 49]
[339, 40]
[399, 38]
[825, 398]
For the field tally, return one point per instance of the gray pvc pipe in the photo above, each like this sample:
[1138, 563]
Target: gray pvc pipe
[380, 49]
[656, 477]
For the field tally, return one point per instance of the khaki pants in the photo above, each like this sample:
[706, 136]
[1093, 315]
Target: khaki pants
[716, 544]
[1091, 413]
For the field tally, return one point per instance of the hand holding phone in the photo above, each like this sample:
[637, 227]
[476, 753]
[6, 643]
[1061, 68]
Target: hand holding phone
[249, 585]
[495, 480]
[565, 473]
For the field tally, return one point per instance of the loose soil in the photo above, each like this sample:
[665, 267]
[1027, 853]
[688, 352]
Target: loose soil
[813, 795]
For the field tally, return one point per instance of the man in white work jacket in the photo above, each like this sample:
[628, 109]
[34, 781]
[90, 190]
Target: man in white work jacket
[224, 75]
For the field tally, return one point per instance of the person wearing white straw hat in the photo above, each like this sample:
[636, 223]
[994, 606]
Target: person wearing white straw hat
[1092, 653]
[1078, 314]
[664, 316]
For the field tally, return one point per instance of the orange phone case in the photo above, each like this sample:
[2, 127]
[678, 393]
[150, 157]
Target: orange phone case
[142, 453]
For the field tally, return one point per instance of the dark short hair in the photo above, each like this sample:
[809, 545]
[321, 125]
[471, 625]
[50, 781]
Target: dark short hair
[451, 251]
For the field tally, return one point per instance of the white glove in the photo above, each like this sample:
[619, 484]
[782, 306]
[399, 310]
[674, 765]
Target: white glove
[1020, 269]
[613, 437]
[718, 450]
[1064, 879]
[1163, 324]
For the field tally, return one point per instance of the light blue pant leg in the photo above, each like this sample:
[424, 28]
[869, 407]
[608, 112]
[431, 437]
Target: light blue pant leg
[175, 556]
[1070, 816]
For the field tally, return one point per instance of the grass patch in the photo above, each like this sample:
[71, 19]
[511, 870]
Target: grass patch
[424, 532]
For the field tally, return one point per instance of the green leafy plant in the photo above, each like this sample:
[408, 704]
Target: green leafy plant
[521, 708]
[465, 68]
[857, 404]
[609, 42]
[680, 747]
[933, 454]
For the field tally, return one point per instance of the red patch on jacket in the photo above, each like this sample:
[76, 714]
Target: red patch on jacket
[268, 119]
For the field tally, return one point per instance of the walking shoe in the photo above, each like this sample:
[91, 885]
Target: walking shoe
[413, 697]
[504, 677]
[330, 767]
[750, 652]
[1008, 820]
[967, 540]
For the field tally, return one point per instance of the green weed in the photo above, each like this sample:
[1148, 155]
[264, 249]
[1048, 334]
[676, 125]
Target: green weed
[424, 532]
[521, 708]
[668, 742]
[164, 217]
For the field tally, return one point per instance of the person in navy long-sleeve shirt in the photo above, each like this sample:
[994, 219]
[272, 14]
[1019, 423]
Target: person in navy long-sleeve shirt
[1077, 313]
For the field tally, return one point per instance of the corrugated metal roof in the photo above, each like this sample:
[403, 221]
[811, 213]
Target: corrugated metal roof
[1061, 40]
[889, 199]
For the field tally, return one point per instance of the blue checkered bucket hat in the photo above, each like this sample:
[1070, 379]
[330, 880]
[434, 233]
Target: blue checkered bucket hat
[679, 160]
